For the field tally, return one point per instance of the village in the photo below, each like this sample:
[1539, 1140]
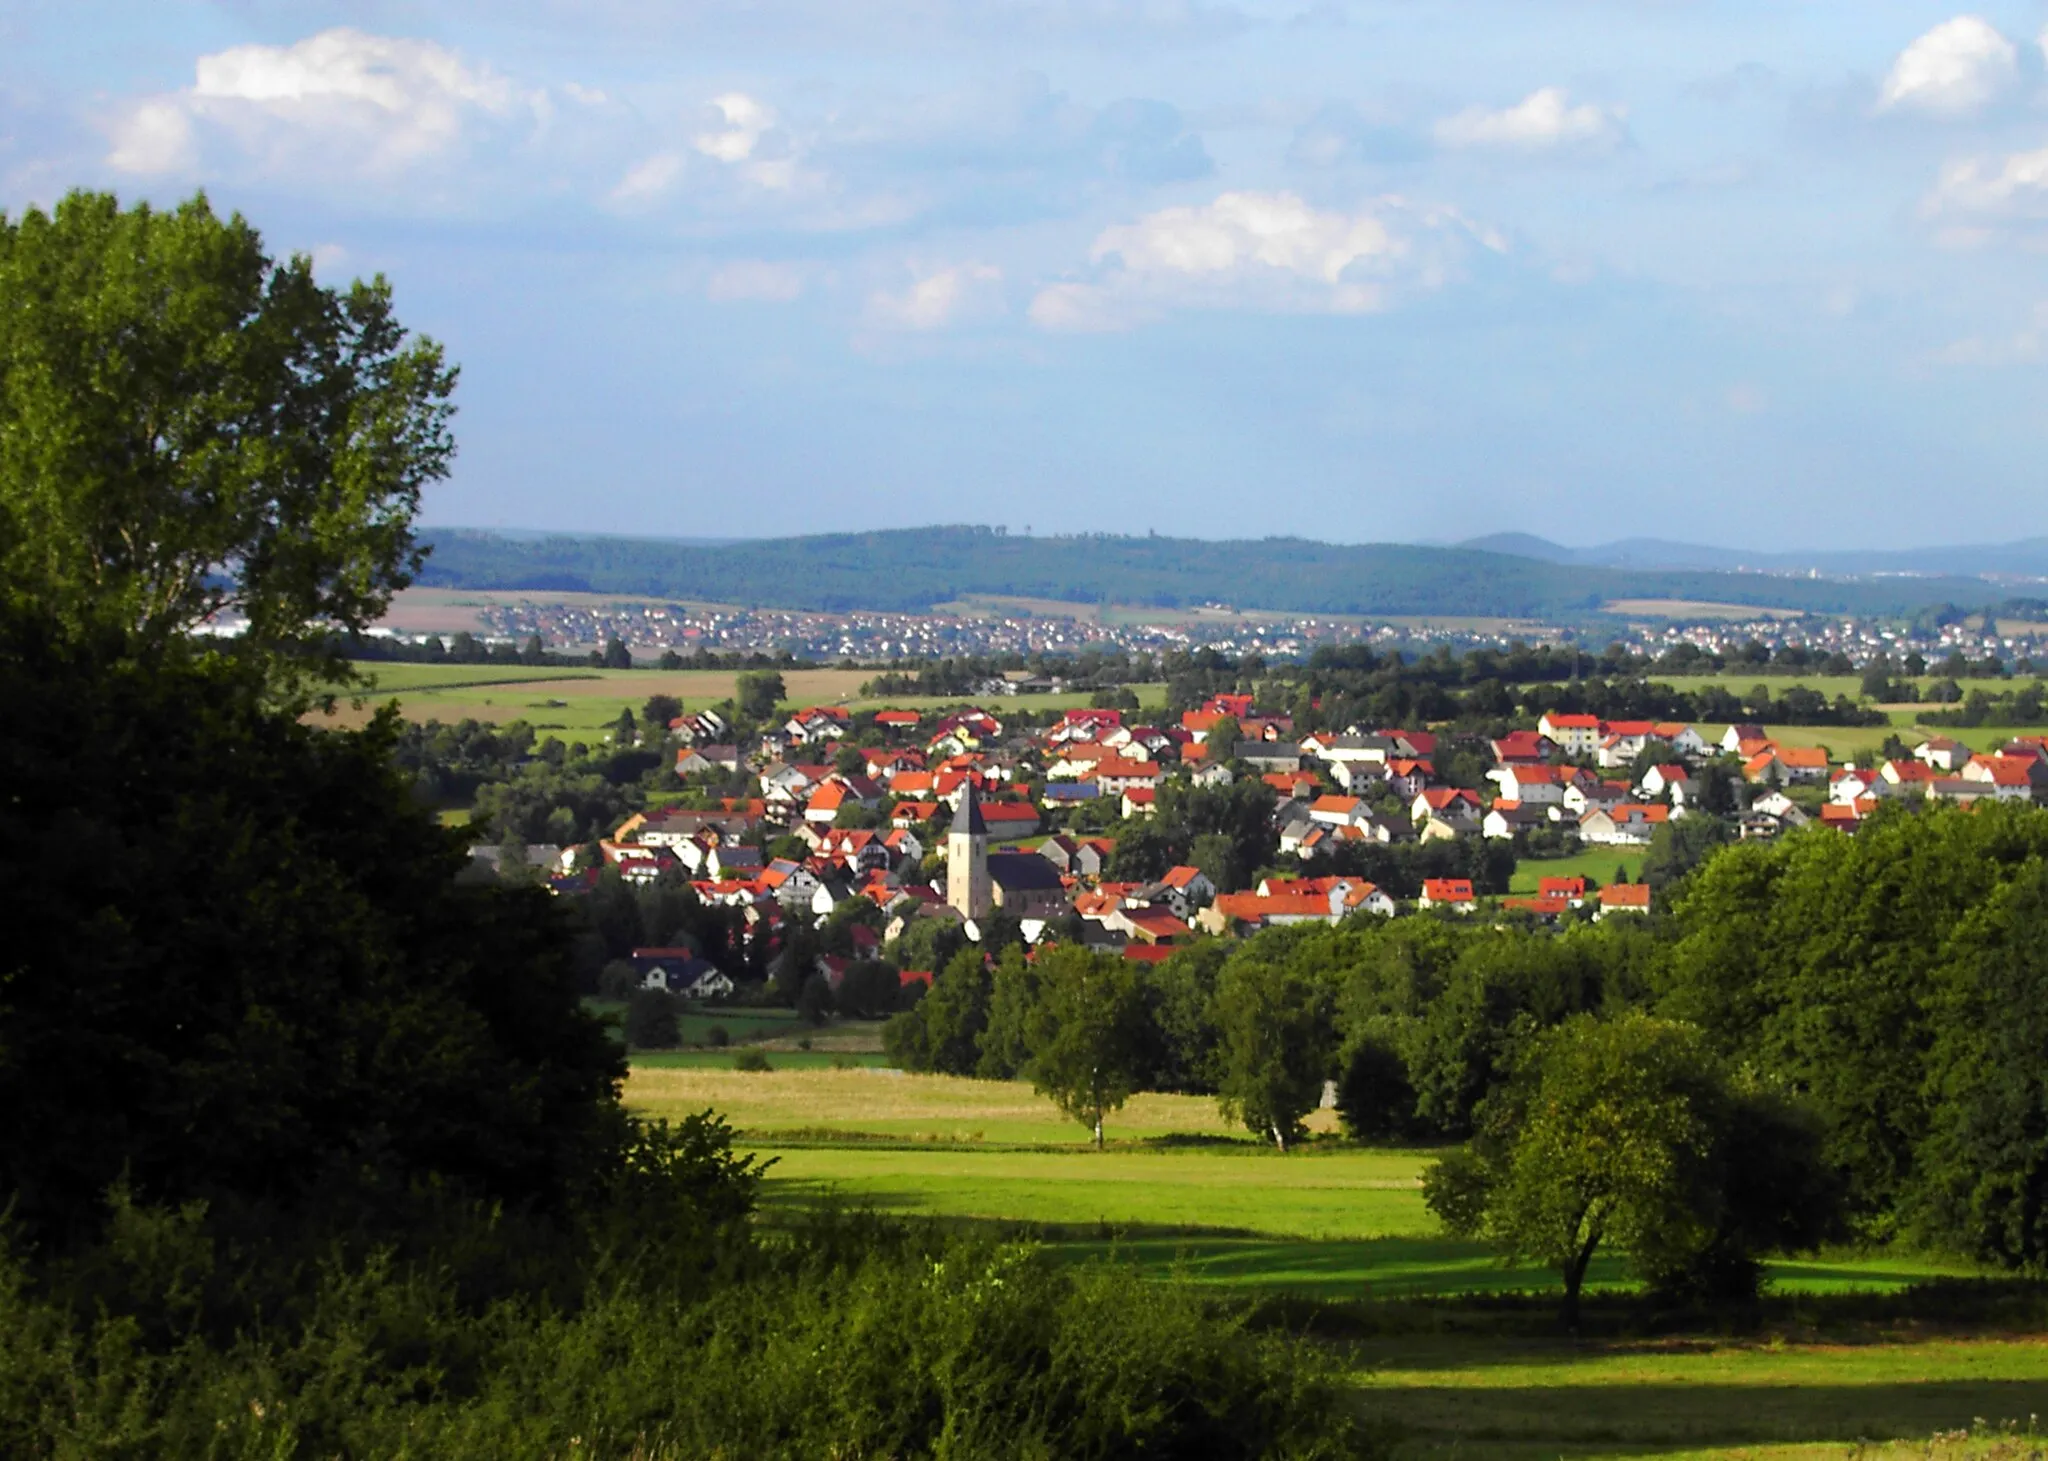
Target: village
[952, 817]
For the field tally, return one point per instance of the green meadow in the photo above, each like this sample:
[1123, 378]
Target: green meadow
[1454, 1351]
[1598, 865]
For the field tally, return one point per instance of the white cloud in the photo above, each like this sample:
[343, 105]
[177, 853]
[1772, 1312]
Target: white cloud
[756, 279]
[154, 137]
[1976, 197]
[1955, 70]
[649, 178]
[743, 121]
[2023, 346]
[1264, 251]
[936, 299]
[1542, 121]
[358, 101]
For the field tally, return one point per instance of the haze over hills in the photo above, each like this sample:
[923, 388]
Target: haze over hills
[912, 570]
[2027, 558]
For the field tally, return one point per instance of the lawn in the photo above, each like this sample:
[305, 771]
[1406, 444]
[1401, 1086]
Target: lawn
[1595, 865]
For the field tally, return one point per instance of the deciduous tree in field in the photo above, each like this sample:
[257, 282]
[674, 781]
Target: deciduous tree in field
[1628, 1133]
[190, 426]
[1090, 1035]
[1277, 1045]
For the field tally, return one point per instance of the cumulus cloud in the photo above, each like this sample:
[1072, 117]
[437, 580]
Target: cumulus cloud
[1545, 120]
[1269, 251]
[1955, 70]
[937, 299]
[738, 131]
[373, 103]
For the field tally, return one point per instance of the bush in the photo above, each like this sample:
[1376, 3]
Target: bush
[652, 1020]
[751, 1059]
[718, 1037]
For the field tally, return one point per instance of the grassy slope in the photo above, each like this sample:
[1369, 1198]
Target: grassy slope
[1334, 1222]
[1596, 865]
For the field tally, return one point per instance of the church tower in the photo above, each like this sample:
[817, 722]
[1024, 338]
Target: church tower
[967, 886]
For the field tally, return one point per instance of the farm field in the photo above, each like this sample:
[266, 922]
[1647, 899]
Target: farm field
[589, 700]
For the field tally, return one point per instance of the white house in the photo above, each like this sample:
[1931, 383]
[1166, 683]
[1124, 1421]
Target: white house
[1577, 735]
[1531, 785]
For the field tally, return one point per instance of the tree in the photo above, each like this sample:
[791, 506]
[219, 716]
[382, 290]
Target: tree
[1086, 1058]
[758, 694]
[942, 1032]
[189, 427]
[1628, 1132]
[651, 1022]
[660, 710]
[280, 984]
[617, 657]
[1276, 1045]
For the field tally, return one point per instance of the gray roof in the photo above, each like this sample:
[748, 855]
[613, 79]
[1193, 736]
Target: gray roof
[967, 820]
[1023, 872]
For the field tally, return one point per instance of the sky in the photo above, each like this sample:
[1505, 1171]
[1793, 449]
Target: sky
[1753, 274]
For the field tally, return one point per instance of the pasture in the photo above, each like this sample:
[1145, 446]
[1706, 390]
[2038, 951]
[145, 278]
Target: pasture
[1340, 1237]
[1596, 865]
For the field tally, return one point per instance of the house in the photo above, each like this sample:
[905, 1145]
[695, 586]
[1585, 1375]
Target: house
[1183, 889]
[1339, 811]
[1008, 821]
[1780, 806]
[1673, 779]
[1140, 801]
[838, 793]
[1453, 805]
[789, 882]
[1505, 819]
[1909, 777]
[1531, 783]
[1625, 825]
[1739, 735]
[1115, 776]
[727, 863]
[680, 971]
[2008, 778]
[1624, 898]
[1056, 794]
[1212, 775]
[1590, 794]
[707, 760]
[1805, 765]
[1621, 741]
[1575, 735]
[1353, 750]
[816, 724]
[1849, 785]
[1448, 892]
[1150, 926]
[1406, 778]
[1942, 753]
[1549, 910]
[1268, 755]
[1572, 890]
[635, 863]
[1523, 747]
[897, 722]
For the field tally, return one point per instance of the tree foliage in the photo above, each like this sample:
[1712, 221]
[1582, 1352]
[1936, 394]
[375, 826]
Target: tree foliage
[189, 426]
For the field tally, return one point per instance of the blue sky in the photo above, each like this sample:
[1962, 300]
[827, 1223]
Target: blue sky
[1744, 273]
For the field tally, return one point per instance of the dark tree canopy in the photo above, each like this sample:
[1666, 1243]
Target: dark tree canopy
[188, 425]
[239, 960]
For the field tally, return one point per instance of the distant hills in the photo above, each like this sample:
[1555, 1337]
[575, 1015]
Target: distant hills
[2028, 558]
[911, 570]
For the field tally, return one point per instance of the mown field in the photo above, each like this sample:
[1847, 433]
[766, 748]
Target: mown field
[1598, 864]
[1189, 1198]
[589, 700]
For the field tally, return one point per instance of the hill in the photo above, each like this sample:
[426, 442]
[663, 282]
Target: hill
[2027, 558]
[910, 570]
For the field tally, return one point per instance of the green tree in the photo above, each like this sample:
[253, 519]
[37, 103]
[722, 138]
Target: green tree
[190, 427]
[651, 1020]
[660, 710]
[1087, 1054]
[1276, 1045]
[1627, 1132]
[943, 1031]
[758, 694]
[616, 656]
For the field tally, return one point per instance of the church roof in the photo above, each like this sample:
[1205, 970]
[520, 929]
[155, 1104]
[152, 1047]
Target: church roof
[967, 821]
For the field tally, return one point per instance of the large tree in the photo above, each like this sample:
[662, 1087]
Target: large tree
[191, 427]
[1276, 1046]
[1088, 1052]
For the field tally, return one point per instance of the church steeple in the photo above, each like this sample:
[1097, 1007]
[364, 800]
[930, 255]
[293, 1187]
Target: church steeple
[968, 890]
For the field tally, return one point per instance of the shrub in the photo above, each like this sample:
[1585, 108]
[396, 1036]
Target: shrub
[751, 1059]
[718, 1037]
[618, 980]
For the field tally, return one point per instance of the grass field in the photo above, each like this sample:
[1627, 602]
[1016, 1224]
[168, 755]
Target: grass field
[589, 700]
[1340, 1235]
[1597, 865]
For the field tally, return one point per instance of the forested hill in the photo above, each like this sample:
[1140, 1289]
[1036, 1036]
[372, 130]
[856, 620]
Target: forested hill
[910, 570]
